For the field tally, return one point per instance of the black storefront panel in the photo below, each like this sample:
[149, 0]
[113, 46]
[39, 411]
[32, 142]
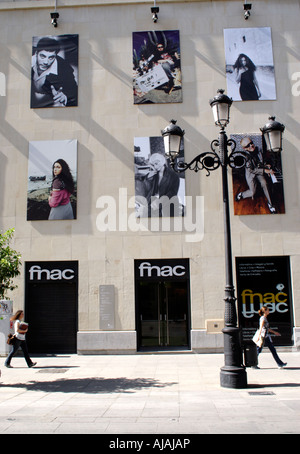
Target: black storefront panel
[162, 293]
[265, 281]
[51, 306]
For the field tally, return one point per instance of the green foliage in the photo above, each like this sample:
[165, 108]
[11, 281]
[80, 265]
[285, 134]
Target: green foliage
[10, 262]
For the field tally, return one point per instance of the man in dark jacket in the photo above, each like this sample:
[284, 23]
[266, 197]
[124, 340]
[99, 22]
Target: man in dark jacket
[52, 78]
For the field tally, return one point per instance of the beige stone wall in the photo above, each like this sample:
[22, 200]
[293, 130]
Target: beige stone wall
[105, 124]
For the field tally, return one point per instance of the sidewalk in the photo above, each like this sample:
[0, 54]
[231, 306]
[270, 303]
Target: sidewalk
[147, 394]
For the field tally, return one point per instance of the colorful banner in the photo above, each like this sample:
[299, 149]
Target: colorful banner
[156, 67]
[257, 188]
[265, 281]
[52, 180]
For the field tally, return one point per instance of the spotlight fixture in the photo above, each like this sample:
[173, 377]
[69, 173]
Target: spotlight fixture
[247, 7]
[154, 11]
[54, 16]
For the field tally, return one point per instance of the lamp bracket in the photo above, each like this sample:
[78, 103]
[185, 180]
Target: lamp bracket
[211, 160]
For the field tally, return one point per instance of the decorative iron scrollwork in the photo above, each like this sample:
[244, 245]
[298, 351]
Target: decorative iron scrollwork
[211, 160]
[208, 161]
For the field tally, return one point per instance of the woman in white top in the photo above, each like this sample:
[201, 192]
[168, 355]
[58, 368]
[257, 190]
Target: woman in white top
[20, 340]
[265, 331]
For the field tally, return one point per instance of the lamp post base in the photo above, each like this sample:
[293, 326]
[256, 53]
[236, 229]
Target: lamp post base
[233, 377]
[233, 373]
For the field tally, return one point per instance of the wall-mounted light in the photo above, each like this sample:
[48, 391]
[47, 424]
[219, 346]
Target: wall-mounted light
[154, 11]
[54, 16]
[247, 7]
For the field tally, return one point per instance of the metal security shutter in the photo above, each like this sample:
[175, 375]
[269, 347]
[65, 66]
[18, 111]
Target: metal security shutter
[51, 311]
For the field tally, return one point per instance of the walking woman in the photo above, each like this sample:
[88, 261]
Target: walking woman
[20, 340]
[245, 76]
[264, 328]
[61, 189]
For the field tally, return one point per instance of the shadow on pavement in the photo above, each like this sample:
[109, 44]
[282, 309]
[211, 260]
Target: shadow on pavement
[90, 385]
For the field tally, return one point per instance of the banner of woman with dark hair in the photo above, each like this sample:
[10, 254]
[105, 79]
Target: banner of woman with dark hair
[249, 64]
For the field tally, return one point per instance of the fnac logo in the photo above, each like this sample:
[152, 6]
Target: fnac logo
[148, 270]
[253, 301]
[38, 274]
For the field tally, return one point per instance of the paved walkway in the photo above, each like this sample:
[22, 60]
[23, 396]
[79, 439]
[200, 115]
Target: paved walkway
[147, 394]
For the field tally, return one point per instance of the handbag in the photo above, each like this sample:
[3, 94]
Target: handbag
[11, 339]
[258, 339]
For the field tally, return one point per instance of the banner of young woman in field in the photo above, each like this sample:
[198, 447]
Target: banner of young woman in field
[52, 180]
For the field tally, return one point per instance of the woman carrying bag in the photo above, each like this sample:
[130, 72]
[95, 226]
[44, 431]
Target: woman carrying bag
[262, 336]
[20, 341]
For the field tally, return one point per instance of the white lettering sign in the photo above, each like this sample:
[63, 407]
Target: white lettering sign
[36, 273]
[164, 271]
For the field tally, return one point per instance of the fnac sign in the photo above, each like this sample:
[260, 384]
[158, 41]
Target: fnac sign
[51, 271]
[166, 269]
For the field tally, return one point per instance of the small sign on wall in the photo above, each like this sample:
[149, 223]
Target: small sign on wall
[107, 307]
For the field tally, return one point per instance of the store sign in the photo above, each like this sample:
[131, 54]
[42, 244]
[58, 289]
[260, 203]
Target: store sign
[265, 281]
[166, 269]
[51, 271]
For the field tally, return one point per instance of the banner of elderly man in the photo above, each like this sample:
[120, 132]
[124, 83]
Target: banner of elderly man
[159, 190]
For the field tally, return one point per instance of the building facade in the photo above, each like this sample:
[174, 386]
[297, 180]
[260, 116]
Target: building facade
[120, 272]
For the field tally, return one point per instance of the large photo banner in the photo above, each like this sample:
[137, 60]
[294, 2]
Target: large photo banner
[156, 67]
[52, 180]
[265, 281]
[54, 71]
[249, 64]
[159, 190]
[258, 188]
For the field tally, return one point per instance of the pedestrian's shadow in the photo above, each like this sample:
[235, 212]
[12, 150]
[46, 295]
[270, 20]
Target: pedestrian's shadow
[90, 385]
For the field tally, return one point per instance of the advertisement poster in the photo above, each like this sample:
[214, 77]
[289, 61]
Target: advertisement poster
[54, 71]
[52, 180]
[249, 64]
[257, 188]
[156, 67]
[159, 190]
[265, 281]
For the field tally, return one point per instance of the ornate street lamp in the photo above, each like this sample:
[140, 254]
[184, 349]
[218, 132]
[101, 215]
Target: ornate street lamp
[172, 135]
[272, 133]
[233, 373]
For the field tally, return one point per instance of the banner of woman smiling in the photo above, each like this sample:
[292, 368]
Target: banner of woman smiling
[52, 180]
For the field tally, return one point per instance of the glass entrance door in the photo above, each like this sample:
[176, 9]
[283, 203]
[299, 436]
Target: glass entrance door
[163, 314]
